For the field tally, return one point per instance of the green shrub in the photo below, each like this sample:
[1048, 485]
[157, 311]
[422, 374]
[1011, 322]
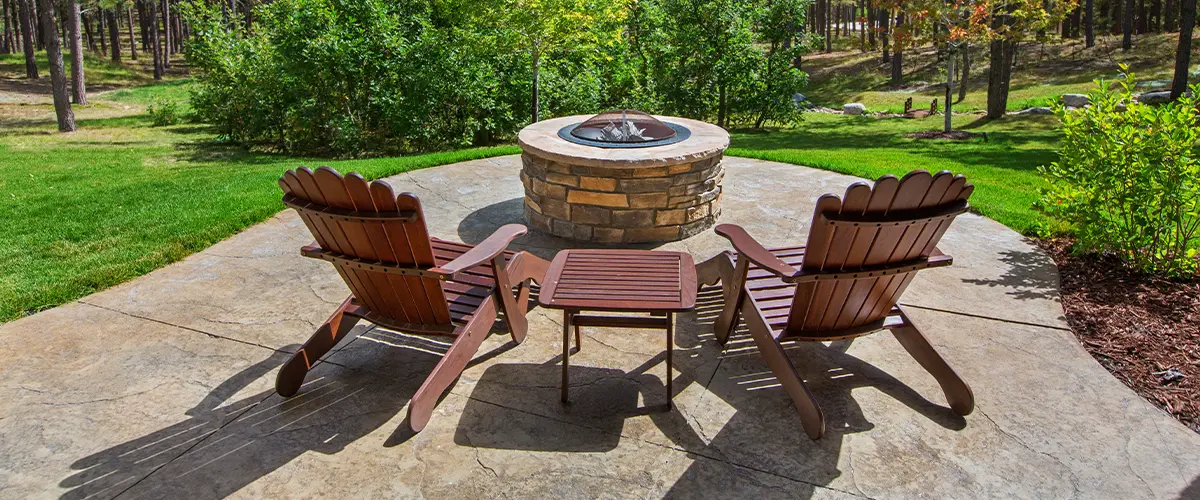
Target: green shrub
[1129, 181]
[163, 112]
[370, 77]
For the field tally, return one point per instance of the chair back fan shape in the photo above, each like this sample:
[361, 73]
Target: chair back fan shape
[870, 244]
[358, 225]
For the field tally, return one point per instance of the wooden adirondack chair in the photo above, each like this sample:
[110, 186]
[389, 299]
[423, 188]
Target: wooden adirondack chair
[402, 279]
[863, 250]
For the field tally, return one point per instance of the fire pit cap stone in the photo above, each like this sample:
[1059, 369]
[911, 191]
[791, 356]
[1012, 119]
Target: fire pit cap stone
[542, 139]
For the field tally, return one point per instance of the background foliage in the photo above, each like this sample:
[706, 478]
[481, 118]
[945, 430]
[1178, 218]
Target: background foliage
[368, 77]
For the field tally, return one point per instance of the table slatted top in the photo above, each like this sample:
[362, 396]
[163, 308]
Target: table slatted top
[620, 280]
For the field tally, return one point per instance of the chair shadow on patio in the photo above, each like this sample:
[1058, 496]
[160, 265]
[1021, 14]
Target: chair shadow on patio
[749, 423]
[225, 445]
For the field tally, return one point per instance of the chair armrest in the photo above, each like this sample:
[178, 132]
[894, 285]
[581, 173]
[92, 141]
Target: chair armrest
[485, 251]
[747, 247]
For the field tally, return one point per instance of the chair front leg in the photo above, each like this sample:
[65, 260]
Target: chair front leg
[513, 307]
[811, 416]
[333, 330]
[733, 289]
[958, 393]
[465, 345]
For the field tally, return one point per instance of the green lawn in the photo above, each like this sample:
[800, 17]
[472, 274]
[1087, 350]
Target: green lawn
[1003, 169]
[119, 198]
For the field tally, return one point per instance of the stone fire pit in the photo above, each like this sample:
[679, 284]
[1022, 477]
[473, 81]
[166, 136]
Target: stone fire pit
[621, 193]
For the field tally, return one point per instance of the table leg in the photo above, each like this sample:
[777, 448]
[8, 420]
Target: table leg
[670, 349]
[566, 353]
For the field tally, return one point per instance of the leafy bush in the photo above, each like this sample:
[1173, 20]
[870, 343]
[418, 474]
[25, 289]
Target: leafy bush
[367, 77]
[1129, 180]
[163, 112]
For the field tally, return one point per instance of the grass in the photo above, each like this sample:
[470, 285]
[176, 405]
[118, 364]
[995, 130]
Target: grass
[119, 198]
[1043, 73]
[1003, 168]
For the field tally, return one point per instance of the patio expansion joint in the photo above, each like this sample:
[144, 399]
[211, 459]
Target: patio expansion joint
[673, 448]
[991, 318]
[181, 327]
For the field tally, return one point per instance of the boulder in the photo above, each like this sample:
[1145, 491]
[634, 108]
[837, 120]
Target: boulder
[854, 108]
[1155, 97]
[1041, 110]
[1075, 100]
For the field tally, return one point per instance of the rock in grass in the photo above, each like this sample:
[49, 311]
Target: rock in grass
[1076, 100]
[1040, 110]
[1155, 97]
[854, 108]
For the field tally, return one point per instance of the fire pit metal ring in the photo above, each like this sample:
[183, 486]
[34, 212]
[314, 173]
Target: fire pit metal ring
[682, 133]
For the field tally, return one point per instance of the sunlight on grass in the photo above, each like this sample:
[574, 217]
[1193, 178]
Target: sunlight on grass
[1003, 168]
[119, 198]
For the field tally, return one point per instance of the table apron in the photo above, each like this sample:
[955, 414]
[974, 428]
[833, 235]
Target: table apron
[621, 321]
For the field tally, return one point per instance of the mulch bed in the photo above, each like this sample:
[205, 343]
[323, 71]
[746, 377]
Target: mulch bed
[1145, 330]
[955, 135]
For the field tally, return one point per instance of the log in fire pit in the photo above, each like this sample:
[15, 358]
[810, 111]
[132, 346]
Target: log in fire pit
[622, 176]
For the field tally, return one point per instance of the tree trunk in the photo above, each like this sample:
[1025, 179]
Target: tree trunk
[828, 26]
[1127, 27]
[154, 45]
[872, 22]
[722, 107]
[885, 19]
[58, 76]
[898, 56]
[534, 104]
[966, 73]
[31, 70]
[141, 8]
[1156, 16]
[1141, 17]
[947, 126]
[166, 34]
[87, 32]
[7, 41]
[1090, 29]
[132, 40]
[1187, 21]
[100, 31]
[1169, 16]
[862, 28]
[78, 88]
[999, 73]
[114, 36]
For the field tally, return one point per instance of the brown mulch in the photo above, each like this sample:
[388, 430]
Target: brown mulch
[954, 135]
[1143, 329]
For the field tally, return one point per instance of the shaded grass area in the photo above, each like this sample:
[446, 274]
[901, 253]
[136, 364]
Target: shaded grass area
[119, 198]
[1003, 168]
[1043, 73]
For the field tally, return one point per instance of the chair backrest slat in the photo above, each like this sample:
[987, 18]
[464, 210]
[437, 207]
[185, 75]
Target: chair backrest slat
[402, 240]
[896, 229]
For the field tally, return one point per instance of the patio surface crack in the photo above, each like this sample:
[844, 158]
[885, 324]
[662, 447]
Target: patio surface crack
[1071, 473]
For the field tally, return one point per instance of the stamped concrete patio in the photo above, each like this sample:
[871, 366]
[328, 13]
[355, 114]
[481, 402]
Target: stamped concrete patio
[162, 387]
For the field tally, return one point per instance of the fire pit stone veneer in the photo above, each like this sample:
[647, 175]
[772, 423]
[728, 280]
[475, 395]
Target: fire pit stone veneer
[622, 195]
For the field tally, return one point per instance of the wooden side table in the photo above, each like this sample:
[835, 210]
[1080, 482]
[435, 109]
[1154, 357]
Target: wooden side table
[628, 281]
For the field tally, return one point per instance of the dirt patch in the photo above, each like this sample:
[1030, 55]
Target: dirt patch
[954, 135]
[1145, 330]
